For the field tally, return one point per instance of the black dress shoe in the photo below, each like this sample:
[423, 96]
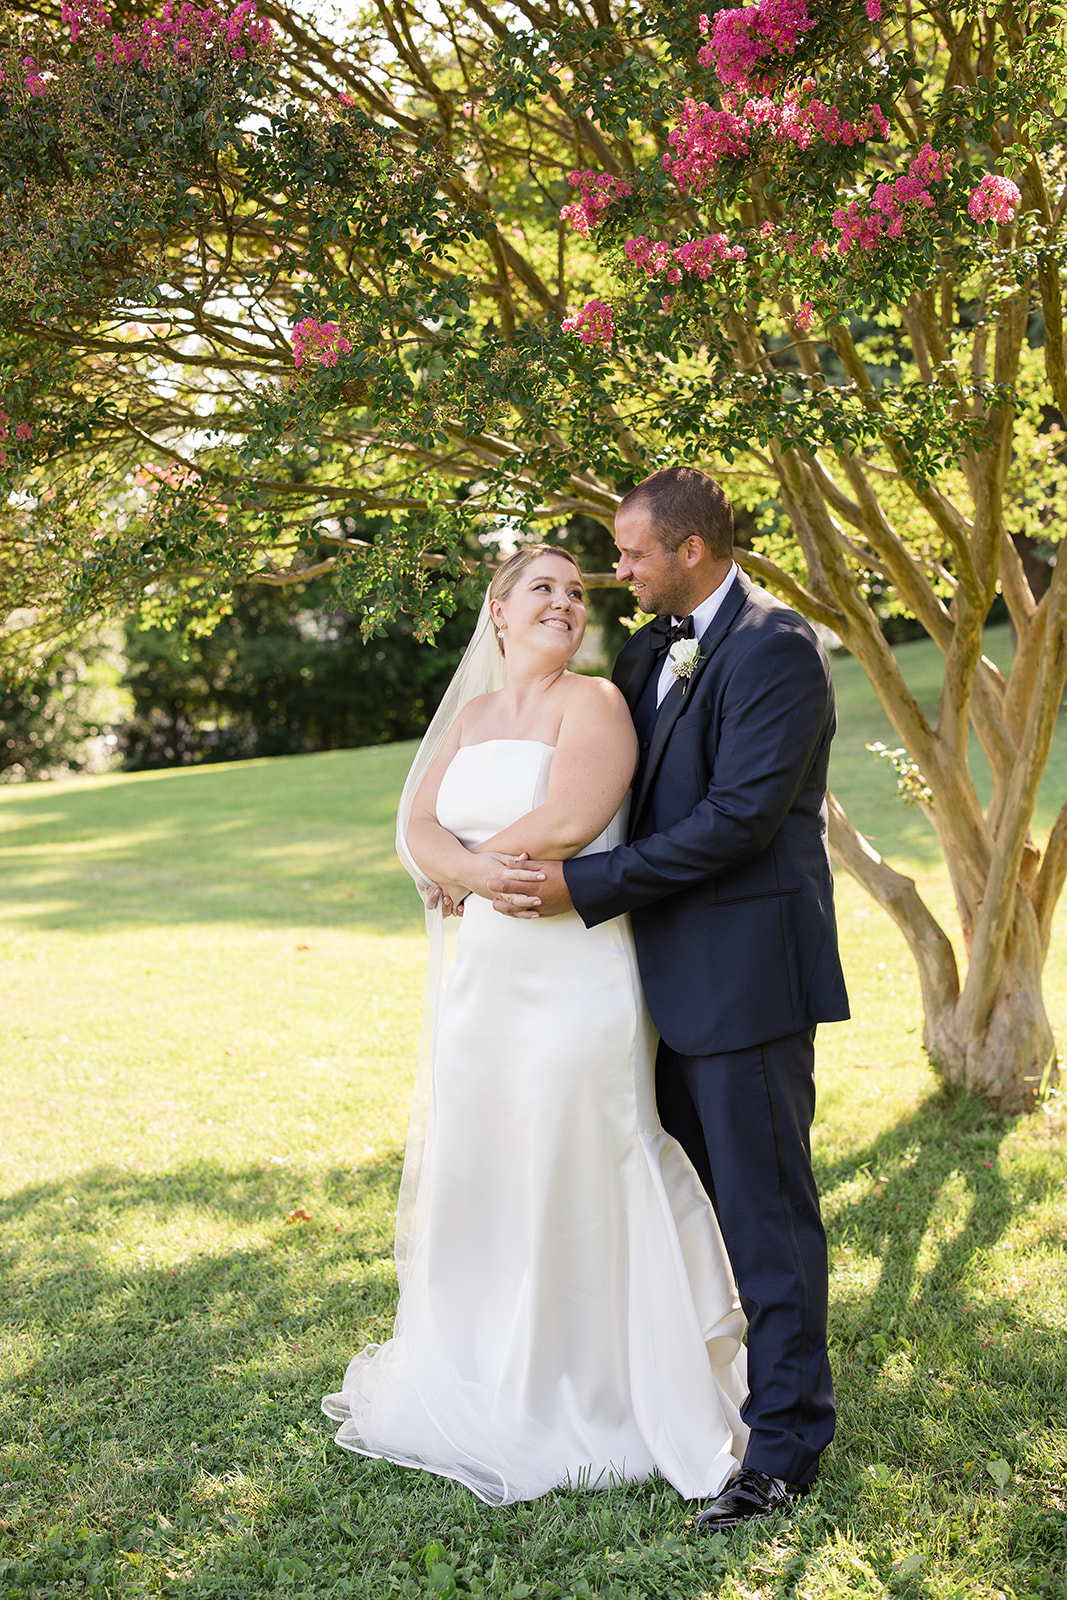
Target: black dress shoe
[749, 1497]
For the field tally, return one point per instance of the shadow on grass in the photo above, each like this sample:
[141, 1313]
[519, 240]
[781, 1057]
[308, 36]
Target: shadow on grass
[945, 1138]
[163, 1427]
[247, 1194]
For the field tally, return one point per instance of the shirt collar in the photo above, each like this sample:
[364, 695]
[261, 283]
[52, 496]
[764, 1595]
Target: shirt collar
[705, 613]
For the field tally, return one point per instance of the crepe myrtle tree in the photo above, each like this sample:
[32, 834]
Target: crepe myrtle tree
[268, 272]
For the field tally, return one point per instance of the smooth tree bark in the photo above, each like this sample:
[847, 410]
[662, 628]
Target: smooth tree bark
[478, 271]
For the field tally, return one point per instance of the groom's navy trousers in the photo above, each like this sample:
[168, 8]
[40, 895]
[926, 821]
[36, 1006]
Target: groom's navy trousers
[727, 880]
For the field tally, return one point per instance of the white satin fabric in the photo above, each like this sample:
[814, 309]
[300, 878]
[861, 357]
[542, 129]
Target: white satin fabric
[567, 1312]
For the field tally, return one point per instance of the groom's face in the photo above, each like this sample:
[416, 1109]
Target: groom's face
[661, 579]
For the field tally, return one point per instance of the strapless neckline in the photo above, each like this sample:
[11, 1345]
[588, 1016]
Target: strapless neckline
[479, 743]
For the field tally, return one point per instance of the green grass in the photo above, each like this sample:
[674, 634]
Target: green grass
[212, 984]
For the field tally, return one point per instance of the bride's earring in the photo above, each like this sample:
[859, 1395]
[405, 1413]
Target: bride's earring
[500, 630]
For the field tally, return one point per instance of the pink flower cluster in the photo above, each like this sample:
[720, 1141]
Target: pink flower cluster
[594, 323]
[994, 200]
[321, 341]
[743, 40]
[33, 80]
[800, 124]
[874, 10]
[23, 432]
[700, 257]
[184, 33]
[83, 13]
[704, 134]
[869, 223]
[701, 139]
[596, 191]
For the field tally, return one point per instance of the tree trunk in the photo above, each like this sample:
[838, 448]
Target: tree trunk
[1009, 1059]
[1009, 1056]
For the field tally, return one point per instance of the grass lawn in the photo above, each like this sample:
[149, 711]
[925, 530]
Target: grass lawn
[211, 998]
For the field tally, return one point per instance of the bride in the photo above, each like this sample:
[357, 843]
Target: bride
[567, 1313]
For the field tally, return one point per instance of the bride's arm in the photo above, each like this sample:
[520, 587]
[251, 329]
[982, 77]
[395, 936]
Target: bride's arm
[446, 862]
[596, 753]
[438, 852]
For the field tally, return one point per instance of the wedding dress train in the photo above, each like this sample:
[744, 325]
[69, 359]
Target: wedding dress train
[567, 1313]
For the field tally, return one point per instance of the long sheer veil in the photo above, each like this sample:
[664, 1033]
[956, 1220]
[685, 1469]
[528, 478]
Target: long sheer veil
[481, 671]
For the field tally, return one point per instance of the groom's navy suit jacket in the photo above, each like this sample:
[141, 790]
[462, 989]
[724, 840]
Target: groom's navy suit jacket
[726, 873]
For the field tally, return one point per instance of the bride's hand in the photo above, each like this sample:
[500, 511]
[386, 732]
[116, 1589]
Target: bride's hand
[450, 897]
[490, 865]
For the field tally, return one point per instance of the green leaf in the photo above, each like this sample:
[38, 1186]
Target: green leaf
[433, 1554]
[1000, 1472]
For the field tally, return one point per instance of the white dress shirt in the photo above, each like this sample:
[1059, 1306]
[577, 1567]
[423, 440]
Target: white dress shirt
[702, 617]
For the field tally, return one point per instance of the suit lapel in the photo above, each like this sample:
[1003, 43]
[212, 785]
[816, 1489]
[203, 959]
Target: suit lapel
[677, 698]
[633, 667]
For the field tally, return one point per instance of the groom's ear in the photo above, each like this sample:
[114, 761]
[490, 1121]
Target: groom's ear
[693, 550]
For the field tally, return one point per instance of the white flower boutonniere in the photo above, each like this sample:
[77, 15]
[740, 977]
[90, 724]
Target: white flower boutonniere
[684, 655]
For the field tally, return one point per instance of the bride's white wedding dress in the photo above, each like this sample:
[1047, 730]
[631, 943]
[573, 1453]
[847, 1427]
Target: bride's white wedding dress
[567, 1315]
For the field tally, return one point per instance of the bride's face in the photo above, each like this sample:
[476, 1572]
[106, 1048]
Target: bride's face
[545, 611]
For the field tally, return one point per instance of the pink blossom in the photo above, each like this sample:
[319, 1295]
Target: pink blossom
[701, 139]
[637, 250]
[704, 135]
[83, 13]
[874, 10]
[24, 431]
[596, 191]
[467, 108]
[869, 223]
[323, 341]
[33, 80]
[805, 316]
[594, 324]
[185, 34]
[743, 40]
[699, 257]
[994, 200]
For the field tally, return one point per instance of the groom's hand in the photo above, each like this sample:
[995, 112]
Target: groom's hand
[551, 899]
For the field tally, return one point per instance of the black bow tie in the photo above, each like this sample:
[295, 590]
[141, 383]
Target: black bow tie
[662, 633]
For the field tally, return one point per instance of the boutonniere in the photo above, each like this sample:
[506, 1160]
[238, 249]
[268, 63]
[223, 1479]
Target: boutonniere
[683, 656]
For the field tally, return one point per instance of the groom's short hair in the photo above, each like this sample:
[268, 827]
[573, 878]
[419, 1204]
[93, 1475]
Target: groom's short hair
[683, 502]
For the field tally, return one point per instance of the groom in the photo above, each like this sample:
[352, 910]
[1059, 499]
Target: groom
[727, 879]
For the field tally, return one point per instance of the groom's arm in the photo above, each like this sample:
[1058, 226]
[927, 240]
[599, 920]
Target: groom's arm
[774, 717]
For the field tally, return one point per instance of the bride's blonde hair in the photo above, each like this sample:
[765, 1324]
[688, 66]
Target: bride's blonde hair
[510, 571]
